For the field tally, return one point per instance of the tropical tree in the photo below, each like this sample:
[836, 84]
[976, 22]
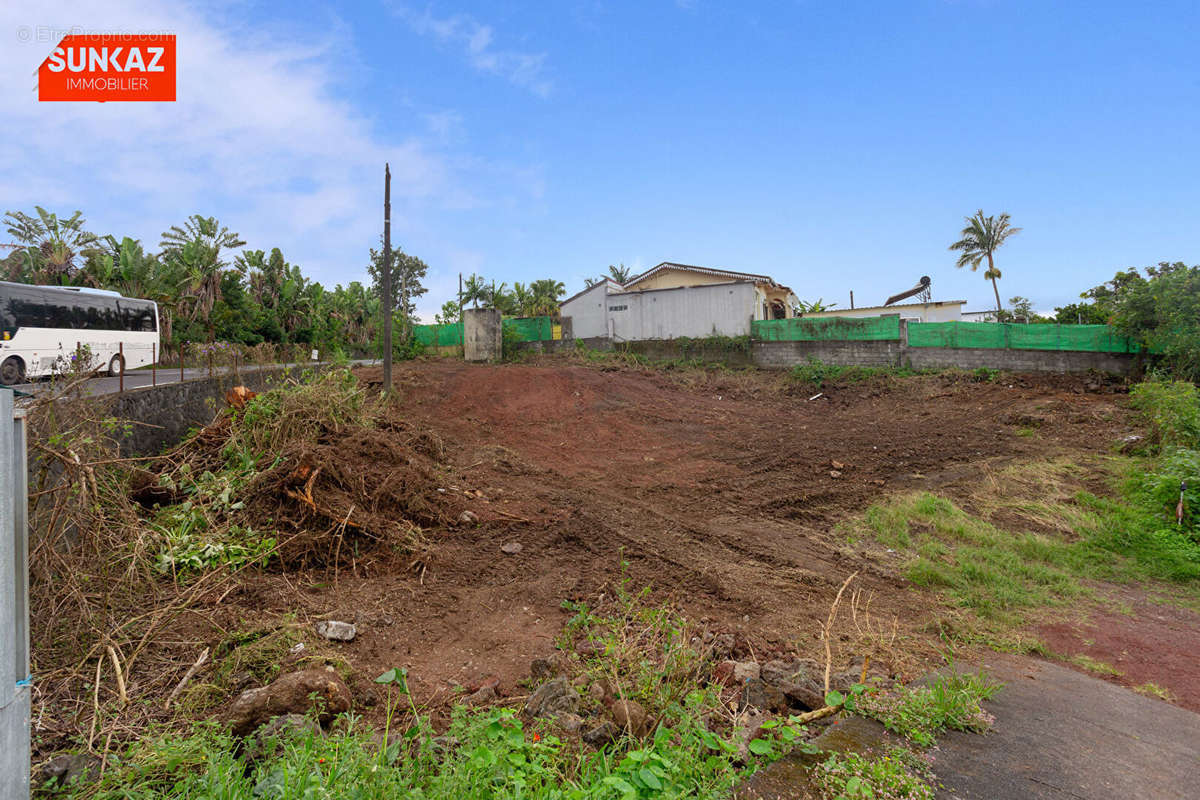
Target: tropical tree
[522, 300]
[621, 273]
[124, 266]
[475, 290]
[449, 313]
[1160, 311]
[407, 273]
[546, 294]
[981, 238]
[196, 248]
[53, 245]
[1080, 314]
[814, 306]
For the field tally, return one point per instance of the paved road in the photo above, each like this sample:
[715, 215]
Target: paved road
[138, 378]
[1059, 735]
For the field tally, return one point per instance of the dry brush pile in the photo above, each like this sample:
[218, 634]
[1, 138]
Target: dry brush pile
[130, 557]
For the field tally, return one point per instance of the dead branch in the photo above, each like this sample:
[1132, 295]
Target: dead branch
[112, 654]
[826, 631]
[187, 676]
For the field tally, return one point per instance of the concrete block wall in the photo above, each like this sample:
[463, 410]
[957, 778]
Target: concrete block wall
[784, 355]
[1018, 360]
[672, 349]
[169, 411]
[566, 345]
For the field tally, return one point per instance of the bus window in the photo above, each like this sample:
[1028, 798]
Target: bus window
[21, 308]
[136, 315]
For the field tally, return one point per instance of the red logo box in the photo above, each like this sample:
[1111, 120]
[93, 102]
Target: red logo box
[110, 67]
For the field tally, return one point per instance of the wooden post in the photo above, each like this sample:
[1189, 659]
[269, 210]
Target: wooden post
[121, 355]
[387, 278]
[154, 363]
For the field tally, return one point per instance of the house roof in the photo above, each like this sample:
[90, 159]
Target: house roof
[833, 312]
[609, 282]
[668, 265]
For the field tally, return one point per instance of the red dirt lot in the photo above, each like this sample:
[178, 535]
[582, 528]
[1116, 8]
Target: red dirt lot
[720, 492]
[1153, 643]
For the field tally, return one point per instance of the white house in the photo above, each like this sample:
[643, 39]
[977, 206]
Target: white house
[675, 300]
[934, 311]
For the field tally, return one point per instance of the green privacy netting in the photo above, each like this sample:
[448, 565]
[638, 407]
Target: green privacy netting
[528, 329]
[826, 328]
[438, 335]
[531, 329]
[1018, 336]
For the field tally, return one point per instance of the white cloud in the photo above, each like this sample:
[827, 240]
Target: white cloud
[258, 137]
[523, 69]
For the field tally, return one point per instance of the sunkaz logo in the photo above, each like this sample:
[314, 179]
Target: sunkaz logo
[111, 67]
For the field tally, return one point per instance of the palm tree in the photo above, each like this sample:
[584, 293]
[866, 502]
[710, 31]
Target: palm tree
[546, 293]
[621, 274]
[53, 245]
[814, 307]
[981, 238]
[522, 299]
[475, 289]
[196, 247]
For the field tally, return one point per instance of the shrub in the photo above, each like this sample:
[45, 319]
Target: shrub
[1173, 409]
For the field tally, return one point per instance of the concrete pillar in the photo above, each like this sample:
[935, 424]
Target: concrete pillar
[482, 334]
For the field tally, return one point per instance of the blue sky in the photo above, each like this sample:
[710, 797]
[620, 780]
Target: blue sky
[833, 145]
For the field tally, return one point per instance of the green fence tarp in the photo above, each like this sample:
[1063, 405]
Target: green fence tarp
[531, 329]
[803, 329]
[1019, 336]
[438, 335]
[527, 329]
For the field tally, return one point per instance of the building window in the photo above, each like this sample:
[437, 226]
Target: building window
[618, 308]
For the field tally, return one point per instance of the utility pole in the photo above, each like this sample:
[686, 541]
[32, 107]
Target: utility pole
[387, 278]
[851, 299]
[462, 324]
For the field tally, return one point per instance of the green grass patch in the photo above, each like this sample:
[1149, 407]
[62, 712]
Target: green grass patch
[1080, 536]
[921, 713]
[1154, 690]
[818, 374]
[1095, 666]
[976, 564]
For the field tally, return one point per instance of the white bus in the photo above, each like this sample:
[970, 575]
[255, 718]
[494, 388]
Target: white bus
[41, 328]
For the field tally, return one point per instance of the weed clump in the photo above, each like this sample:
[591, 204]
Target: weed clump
[900, 774]
[920, 713]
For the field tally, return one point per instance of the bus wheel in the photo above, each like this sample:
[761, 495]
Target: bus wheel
[12, 371]
[114, 366]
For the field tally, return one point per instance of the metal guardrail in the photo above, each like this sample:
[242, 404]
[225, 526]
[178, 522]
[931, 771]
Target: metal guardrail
[15, 680]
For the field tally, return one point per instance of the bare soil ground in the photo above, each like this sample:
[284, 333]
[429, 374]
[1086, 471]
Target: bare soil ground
[720, 492]
[1148, 644]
